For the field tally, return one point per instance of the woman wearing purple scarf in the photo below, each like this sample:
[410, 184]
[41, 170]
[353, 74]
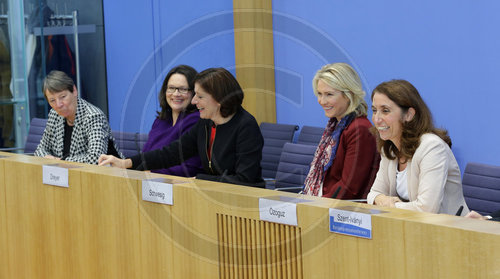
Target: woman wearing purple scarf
[346, 159]
[176, 117]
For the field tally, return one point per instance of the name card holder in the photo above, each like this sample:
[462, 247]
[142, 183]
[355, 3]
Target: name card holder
[158, 191]
[352, 221]
[280, 209]
[55, 175]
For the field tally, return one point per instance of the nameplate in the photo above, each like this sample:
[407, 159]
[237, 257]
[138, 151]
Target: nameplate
[351, 222]
[155, 190]
[278, 211]
[55, 175]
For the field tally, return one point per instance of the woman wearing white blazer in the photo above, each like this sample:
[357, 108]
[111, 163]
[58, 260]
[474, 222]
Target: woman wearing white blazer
[418, 170]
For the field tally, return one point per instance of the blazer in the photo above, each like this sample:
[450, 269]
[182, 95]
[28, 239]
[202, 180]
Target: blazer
[90, 138]
[236, 151]
[163, 133]
[434, 180]
[355, 163]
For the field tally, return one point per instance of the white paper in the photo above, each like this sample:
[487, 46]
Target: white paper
[159, 192]
[278, 211]
[54, 175]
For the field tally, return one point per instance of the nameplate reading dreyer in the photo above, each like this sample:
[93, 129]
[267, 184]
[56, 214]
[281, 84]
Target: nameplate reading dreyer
[55, 175]
[278, 211]
[156, 191]
[351, 223]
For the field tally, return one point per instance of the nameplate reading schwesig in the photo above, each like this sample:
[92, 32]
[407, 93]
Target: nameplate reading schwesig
[278, 211]
[54, 175]
[156, 191]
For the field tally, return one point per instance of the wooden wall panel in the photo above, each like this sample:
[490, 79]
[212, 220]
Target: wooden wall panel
[44, 223]
[266, 251]
[99, 227]
[156, 235]
[111, 225]
[194, 234]
[4, 252]
[254, 57]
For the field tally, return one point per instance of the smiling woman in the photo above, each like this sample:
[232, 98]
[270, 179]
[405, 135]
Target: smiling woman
[346, 158]
[227, 138]
[176, 117]
[418, 170]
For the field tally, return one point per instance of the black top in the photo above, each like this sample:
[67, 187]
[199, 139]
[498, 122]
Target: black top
[68, 131]
[495, 216]
[236, 151]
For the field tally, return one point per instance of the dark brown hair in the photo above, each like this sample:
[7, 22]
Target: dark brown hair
[406, 96]
[166, 111]
[223, 87]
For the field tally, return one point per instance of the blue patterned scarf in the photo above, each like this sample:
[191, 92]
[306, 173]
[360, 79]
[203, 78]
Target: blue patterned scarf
[325, 154]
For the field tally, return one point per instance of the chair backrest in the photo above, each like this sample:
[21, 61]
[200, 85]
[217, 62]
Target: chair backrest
[141, 139]
[35, 133]
[294, 165]
[129, 144]
[481, 186]
[310, 135]
[275, 136]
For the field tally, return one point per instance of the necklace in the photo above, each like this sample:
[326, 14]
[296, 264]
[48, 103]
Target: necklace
[70, 122]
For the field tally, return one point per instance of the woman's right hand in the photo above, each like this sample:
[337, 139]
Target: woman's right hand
[386, 201]
[114, 162]
[473, 214]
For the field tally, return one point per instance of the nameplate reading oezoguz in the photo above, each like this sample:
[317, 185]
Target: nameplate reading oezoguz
[55, 175]
[155, 191]
[278, 211]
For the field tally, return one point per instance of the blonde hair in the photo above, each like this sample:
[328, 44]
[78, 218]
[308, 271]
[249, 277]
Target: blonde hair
[344, 78]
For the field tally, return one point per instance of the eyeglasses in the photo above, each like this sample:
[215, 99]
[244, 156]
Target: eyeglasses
[182, 90]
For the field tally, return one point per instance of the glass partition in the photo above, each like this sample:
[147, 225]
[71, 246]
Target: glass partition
[37, 36]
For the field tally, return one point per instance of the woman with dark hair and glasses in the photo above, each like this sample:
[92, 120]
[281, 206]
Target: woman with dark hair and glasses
[227, 138]
[176, 117]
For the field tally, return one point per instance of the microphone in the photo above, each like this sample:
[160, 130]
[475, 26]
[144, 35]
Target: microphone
[459, 212]
[336, 192]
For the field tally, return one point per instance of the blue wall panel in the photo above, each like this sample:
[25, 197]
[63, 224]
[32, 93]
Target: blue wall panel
[447, 49]
[144, 39]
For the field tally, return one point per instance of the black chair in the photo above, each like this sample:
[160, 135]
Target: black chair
[293, 167]
[481, 186]
[310, 135]
[129, 144]
[35, 133]
[275, 136]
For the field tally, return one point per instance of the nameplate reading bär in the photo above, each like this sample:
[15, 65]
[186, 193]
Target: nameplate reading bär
[278, 211]
[55, 175]
[154, 190]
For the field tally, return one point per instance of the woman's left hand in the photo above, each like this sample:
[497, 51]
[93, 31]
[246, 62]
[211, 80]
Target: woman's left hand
[386, 201]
